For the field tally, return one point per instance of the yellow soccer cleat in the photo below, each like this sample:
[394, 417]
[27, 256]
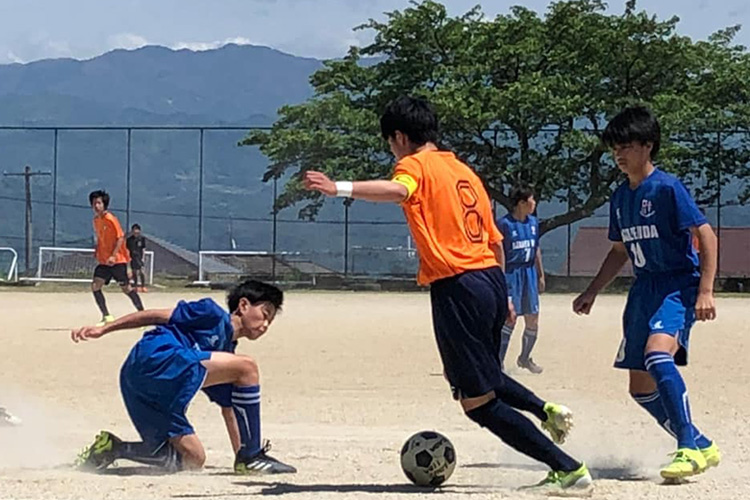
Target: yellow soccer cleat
[559, 421]
[106, 319]
[712, 455]
[685, 463]
[579, 479]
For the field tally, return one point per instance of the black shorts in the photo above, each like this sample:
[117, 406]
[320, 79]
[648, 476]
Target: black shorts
[136, 263]
[117, 272]
[468, 313]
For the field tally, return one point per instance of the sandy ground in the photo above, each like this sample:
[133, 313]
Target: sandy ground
[347, 377]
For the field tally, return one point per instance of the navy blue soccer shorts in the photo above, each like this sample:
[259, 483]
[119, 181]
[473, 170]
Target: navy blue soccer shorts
[158, 380]
[657, 304]
[468, 313]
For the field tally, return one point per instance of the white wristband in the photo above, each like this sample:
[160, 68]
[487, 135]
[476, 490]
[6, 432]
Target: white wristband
[344, 189]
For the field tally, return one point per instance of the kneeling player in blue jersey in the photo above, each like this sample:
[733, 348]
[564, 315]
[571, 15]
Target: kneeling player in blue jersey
[524, 273]
[653, 220]
[191, 348]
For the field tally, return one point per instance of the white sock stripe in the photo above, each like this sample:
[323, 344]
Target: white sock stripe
[648, 398]
[245, 420]
[658, 356]
[245, 402]
[652, 362]
[507, 330]
[530, 333]
[241, 395]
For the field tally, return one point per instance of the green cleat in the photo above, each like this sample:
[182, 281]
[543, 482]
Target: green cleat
[712, 455]
[99, 455]
[559, 421]
[106, 319]
[579, 479]
[685, 463]
[261, 463]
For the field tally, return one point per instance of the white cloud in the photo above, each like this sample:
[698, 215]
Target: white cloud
[201, 46]
[12, 57]
[126, 41]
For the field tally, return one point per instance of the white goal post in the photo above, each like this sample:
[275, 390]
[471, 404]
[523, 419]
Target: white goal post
[12, 269]
[76, 265]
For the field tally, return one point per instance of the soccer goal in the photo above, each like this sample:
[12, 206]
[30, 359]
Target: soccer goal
[8, 264]
[76, 265]
[230, 266]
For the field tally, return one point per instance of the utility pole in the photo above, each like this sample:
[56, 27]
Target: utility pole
[27, 174]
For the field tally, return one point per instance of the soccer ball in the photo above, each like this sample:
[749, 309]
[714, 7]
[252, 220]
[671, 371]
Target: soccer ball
[428, 458]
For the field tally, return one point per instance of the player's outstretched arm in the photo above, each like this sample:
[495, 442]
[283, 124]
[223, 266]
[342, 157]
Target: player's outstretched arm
[616, 258]
[705, 307]
[134, 320]
[378, 191]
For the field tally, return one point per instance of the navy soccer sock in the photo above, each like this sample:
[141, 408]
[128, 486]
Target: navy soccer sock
[520, 433]
[674, 396]
[653, 405]
[528, 341]
[246, 406]
[164, 457]
[505, 335]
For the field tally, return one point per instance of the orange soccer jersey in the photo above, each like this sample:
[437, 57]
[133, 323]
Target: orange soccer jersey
[449, 214]
[108, 230]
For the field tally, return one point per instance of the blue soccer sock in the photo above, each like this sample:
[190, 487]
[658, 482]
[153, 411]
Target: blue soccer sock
[652, 403]
[246, 406]
[505, 335]
[674, 396]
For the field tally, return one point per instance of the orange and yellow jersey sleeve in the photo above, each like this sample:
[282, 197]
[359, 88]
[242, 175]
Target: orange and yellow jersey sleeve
[108, 231]
[449, 215]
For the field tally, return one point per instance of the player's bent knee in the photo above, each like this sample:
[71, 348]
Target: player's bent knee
[192, 454]
[249, 371]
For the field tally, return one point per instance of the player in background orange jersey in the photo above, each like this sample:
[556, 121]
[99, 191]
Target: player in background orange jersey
[450, 217]
[111, 254]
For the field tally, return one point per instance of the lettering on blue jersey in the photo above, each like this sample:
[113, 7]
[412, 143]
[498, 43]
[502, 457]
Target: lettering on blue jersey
[637, 233]
[522, 244]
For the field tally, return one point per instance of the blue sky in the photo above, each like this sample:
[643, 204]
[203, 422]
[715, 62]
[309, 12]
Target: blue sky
[37, 29]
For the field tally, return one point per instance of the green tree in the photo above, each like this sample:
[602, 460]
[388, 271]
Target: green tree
[523, 98]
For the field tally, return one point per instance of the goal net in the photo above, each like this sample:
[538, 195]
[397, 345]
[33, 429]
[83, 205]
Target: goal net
[8, 264]
[76, 265]
[231, 266]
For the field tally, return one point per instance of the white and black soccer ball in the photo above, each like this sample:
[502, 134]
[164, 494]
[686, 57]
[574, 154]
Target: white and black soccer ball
[428, 458]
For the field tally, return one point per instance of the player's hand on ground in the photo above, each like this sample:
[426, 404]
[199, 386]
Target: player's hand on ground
[318, 181]
[705, 307]
[86, 333]
[583, 303]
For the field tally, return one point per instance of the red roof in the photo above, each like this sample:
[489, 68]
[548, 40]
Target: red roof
[591, 245]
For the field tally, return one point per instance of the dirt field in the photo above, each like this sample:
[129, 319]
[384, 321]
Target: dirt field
[346, 378]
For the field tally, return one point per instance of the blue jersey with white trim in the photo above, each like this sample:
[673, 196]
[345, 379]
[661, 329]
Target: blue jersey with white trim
[520, 240]
[201, 325]
[654, 222]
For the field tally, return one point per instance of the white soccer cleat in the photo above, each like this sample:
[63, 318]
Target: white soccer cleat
[559, 421]
[8, 419]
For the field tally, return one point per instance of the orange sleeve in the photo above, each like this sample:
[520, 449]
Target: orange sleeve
[408, 172]
[119, 233]
[495, 236]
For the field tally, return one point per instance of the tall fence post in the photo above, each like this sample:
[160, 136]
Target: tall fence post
[718, 203]
[200, 194]
[54, 189]
[127, 183]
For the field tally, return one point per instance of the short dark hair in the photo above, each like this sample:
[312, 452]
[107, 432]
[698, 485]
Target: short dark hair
[520, 193]
[635, 123]
[413, 116]
[135, 226]
[256, 292]
[100, 193]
